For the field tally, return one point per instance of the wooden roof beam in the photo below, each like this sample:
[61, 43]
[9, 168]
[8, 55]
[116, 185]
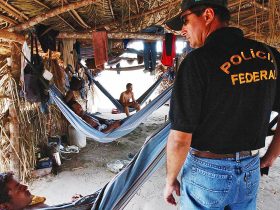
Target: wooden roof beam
[137, 6]
[8, 20]
[50, 14]
[61, 18]
[12, 11]
[111, 9]
[77, 17]
[9, 36]
[88, 36]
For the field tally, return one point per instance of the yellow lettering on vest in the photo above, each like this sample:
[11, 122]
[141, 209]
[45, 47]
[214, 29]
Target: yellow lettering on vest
[235, 59]
[268, 56]
[241, 78]
[271, 75]
[249, 77]
[256, 76]
[225, 67]
[234, 78]
[252, 53]
[263, 74]
[260, 55]
[275, 74]
[243, 56]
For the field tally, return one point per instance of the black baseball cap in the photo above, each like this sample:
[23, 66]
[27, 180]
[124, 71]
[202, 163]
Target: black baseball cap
[176, 23]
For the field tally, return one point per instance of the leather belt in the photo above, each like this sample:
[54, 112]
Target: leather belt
[207, 154]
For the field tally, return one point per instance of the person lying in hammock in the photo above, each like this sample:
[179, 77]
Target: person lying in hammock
[105, 126]
[16, 196]
[127, 99]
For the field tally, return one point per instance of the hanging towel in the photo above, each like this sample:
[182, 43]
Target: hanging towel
[100, 48]
[26, 52]
[68, 57]
[168, 49]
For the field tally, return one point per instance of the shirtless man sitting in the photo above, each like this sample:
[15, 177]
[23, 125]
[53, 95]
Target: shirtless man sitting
[16, 196]
[126, 97]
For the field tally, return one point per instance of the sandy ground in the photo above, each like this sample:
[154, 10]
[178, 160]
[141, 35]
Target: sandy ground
[86, 172]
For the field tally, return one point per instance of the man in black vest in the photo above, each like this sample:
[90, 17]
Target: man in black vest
[223, 96]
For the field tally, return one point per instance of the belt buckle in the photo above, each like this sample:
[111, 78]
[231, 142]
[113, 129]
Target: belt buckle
[254, 152]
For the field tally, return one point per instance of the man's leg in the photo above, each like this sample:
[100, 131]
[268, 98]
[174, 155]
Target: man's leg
[146, 55]
[136, 106]
[112, 126]
[126, 110]
[153, 55]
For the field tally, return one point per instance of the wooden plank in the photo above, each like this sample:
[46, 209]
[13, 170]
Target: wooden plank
[88, 35]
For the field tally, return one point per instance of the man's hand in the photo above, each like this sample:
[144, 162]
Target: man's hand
[168, 192]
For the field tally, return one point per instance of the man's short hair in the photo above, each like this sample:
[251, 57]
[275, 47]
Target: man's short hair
[222, 13]
[4, 191]
[128, 85]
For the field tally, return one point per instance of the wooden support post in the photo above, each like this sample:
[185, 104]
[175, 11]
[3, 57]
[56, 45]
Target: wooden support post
[16, 60]
[14, 140]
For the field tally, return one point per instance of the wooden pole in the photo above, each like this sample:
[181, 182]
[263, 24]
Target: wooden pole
[9, 36]
[8, 20]
[51, 13]
[120, 35]
[12, 11]
[14, 140]
[16, 60]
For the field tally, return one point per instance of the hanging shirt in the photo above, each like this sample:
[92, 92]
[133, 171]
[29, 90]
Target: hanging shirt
[168, 49]
[224, 93]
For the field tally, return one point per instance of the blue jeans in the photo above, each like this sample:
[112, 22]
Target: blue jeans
[220, 184]
[150, 55]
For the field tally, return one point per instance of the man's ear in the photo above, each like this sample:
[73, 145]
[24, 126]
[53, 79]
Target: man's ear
[209, 16]
[5, 206]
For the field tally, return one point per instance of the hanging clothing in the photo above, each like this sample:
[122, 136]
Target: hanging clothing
[100, 47]
[150, 55]
[47, 37]
[27, 53]
[68, 57]
[168, 49]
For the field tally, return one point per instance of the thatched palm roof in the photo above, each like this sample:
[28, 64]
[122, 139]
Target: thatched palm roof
[258, 18]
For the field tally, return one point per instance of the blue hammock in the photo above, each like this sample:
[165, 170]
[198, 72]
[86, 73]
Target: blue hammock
[128, 125]
[140, 100]
[119, 191]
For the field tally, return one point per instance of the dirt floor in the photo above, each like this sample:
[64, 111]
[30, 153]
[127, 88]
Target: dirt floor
[86, 172]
